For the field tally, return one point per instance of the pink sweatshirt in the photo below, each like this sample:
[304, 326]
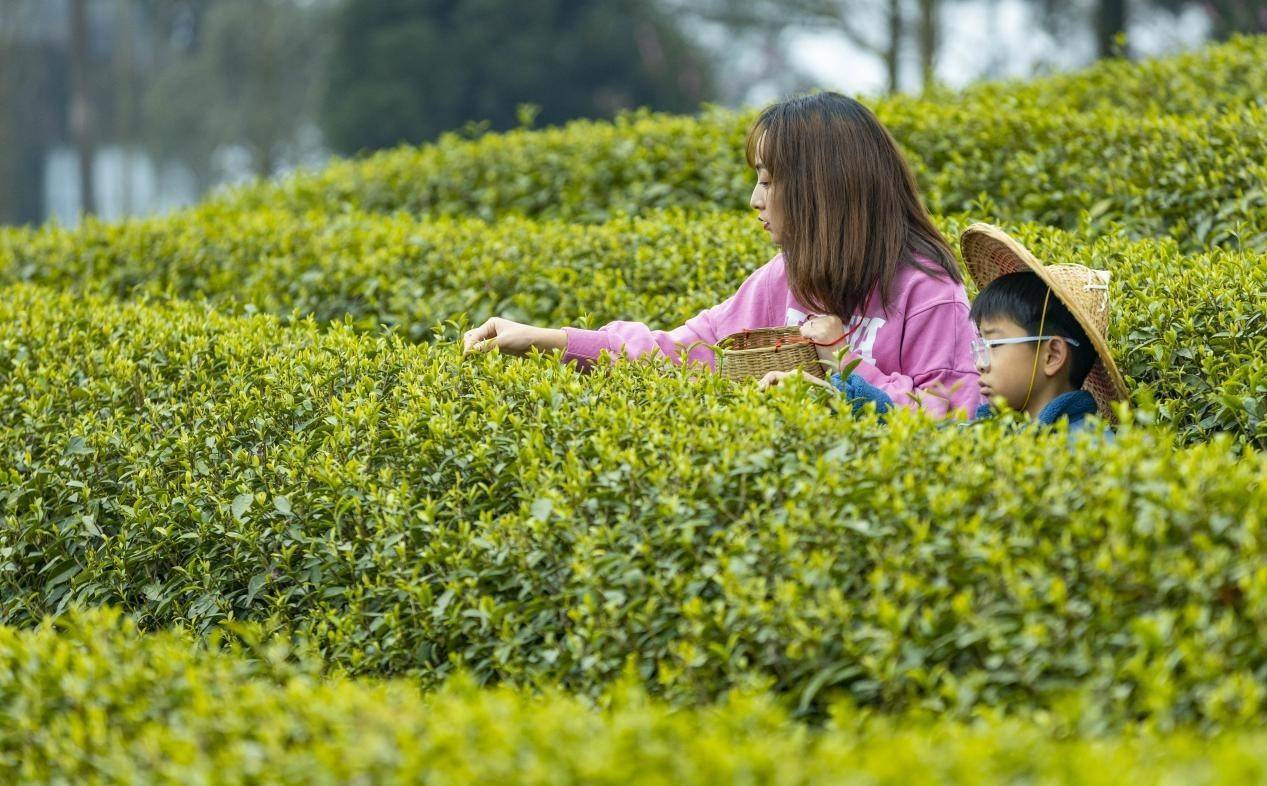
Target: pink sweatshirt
[918, 352]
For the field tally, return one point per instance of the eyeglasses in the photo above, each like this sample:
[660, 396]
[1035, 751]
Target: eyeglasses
[981, 346]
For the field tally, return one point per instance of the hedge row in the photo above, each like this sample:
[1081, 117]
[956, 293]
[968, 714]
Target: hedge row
[414, 512]
[1205, 81]
[585, 171]
[1189, 331]
[1201, 181]
[1198, 176]
[397, 271]
[92, 700]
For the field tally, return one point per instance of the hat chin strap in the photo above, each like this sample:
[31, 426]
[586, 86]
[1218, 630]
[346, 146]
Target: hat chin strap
[1033, 374]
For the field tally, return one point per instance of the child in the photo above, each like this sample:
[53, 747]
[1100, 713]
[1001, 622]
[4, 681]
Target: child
[1042, 345]
[835, 193]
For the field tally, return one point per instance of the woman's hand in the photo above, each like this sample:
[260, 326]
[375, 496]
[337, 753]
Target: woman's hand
[824, 329]
[775, 377]
[512, 338]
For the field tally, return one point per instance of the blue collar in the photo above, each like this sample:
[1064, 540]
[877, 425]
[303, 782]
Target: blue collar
[1074, 405]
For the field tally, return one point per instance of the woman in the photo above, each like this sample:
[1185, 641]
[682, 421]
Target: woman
[835, 193]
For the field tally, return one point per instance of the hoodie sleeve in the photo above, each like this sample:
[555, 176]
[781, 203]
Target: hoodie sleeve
[754, 305]
[937, 374]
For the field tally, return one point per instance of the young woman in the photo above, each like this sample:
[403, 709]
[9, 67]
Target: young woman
[835, 193]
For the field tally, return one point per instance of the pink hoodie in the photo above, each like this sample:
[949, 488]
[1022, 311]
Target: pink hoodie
[918, 352]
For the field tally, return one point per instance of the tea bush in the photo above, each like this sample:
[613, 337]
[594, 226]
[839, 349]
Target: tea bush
[1201, 181]
[397, 271]
[1204, 81]
[1171, 150]
[585, 171]
[92, 700]
[412, 512]
[1189, 331]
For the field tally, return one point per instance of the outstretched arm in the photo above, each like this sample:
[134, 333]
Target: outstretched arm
[513, 338]
[754, 305]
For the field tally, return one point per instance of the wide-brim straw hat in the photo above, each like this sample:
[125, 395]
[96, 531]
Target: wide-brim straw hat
[989, 252]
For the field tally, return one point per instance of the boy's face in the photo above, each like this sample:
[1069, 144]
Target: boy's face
[1011, 365]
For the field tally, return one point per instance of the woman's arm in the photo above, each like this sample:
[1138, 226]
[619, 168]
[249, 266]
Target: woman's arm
[584, 346]
[754, 305]
[513, 338]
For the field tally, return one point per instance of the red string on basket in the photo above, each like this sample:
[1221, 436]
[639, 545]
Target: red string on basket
[804, 340]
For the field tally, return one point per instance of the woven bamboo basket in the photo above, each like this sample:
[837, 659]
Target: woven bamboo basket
[754, 353]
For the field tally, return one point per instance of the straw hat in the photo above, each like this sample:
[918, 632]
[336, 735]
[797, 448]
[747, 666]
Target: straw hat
[989, 252]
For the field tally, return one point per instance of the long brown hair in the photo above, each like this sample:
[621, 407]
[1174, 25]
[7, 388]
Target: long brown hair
[851, 209]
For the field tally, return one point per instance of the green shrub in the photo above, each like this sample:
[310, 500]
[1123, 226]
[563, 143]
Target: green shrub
[1159, 148]
[92, 700]
[1203, 82]
[400, 272]
[414, 513]
[585, 171]
[1189, 331]
[1201, 181]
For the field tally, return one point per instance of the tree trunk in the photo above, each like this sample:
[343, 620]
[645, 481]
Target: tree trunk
[1110, 22]
[893, 49]
[80, 115]
[8, 147]
[928, 41]
[1229, 17]
[125, 101]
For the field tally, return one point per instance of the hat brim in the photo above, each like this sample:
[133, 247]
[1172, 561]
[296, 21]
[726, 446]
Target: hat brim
[989, 252]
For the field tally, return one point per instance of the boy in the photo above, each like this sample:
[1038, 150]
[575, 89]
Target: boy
[1042, 332]
[1041, 346]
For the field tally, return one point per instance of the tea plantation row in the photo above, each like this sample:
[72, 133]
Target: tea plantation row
[1190, 331]
[413, 512]
[92, 700]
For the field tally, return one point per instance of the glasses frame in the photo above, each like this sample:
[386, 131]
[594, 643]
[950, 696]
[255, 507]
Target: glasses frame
[981, 346]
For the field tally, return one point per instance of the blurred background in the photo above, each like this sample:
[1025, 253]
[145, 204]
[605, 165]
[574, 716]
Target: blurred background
[133, 107]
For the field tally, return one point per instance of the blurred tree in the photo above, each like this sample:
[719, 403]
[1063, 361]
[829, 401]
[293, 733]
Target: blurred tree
[33, 97]
[1108, 21]
[1111, 18]
[81, 115]
[178, 79]
[407, 70]
[1228, 17]
[880, 28]
[235, 73]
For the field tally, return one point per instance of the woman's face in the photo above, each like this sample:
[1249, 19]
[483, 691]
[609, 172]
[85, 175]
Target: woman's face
[768, 211]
